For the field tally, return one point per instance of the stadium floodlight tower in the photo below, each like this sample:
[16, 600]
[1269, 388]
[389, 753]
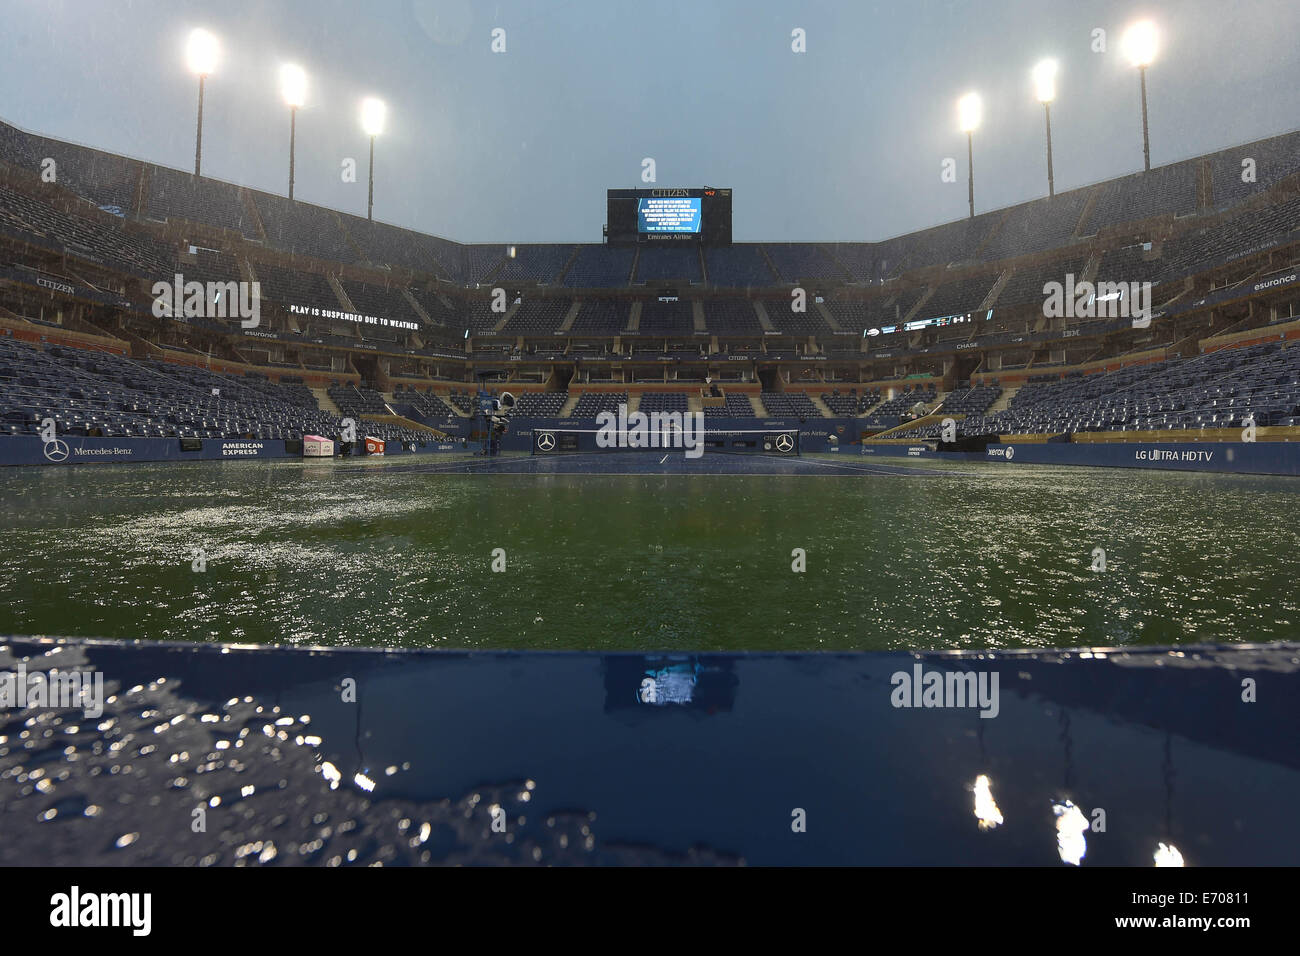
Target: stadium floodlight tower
[970, 109]
[293, 86]
[1045, 90]
[201, 54]
[373, 114]
[1139, 43]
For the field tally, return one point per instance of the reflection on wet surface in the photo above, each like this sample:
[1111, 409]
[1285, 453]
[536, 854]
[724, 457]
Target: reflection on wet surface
[361, 757]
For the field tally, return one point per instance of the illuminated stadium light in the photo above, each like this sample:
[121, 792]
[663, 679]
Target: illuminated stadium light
[1045, 90]
[1139, 43]
[970, 110]
[293, 87]
[373, 114]
[201, 51]
[1045, 81]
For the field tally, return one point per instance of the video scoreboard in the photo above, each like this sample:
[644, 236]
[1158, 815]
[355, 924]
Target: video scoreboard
[669, 215]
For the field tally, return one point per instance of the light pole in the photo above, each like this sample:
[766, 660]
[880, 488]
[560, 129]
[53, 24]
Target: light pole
[293, 85]
[1139, 43]
[969, 110]
[201, 55]
[1045, 90]
[373, 113]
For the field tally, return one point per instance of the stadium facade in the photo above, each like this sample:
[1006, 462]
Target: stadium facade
[1173, 324]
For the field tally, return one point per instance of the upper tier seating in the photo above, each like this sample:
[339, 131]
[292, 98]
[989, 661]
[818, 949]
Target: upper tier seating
[305, 229]
[796, 261]
[1162, 191]
[535, 263]
[667, 262]
[600, 267]
[1038, 225]
[382, 243]
[740, 266]
[133, 189]
[94, 240]
[176, 195]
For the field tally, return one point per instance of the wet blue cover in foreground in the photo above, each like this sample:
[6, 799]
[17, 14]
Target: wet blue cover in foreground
[571, 758]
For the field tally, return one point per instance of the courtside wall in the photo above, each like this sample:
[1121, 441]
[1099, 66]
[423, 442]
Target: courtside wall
[1261, 458]
[814, 436]
[75, 449]
[1251, 458]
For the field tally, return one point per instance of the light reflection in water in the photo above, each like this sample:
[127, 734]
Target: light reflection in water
[1167, 855]
[986, 808]
[1071, 825]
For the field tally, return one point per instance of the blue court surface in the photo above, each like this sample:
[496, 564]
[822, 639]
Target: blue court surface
[672, 462]
[590, 769]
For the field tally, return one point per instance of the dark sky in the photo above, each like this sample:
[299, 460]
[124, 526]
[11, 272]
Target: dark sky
[843, 142]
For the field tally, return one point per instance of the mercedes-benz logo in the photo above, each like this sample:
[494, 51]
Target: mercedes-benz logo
[545, 441]
[784, 442]
[56, 450]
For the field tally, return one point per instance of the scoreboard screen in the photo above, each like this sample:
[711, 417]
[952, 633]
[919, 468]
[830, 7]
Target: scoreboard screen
[668, 214]
[700, 215]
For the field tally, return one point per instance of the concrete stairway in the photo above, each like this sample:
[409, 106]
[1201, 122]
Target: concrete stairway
[325, 402]
[1003, 400]
[569, 404]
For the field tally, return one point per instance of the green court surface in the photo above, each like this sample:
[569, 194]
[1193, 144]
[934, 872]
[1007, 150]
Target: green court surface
[401, 553]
